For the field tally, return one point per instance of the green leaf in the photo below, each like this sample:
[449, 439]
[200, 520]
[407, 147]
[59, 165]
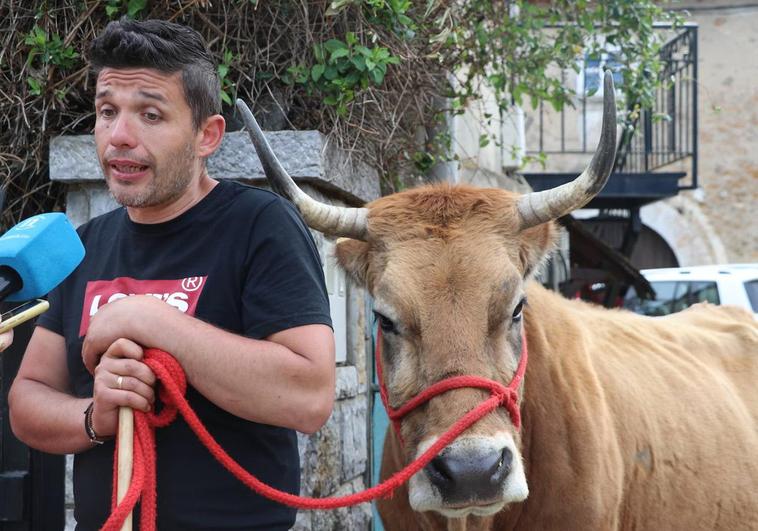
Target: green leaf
[405, 21]
[365, 52]
[352, 79]
[318, 52]
[359, 62]
[134, 7]
[336, 54]
[35, 88]
[226, 98]
[223, 70]
[317, 71]
[333, 45]
[377, 76]
[484, 140]
[331, 72]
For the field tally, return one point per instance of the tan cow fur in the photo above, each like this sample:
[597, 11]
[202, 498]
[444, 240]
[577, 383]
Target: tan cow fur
[629, 422]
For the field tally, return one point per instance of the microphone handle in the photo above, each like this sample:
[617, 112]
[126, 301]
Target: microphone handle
[10, 281]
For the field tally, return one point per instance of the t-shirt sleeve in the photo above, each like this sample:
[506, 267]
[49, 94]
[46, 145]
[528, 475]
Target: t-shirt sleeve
[285, 285]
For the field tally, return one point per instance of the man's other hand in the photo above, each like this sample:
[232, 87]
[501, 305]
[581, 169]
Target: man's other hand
[121, 379]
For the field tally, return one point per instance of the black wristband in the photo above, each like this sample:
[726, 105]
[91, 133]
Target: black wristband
[93, 438]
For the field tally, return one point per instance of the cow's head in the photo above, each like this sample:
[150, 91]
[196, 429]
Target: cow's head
[447, 267]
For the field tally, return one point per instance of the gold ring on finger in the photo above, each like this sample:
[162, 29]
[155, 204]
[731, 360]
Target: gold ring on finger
[119, 381]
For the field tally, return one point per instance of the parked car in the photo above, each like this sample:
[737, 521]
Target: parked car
[677, 288]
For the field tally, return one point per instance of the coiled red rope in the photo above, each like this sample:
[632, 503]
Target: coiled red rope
[174, 384]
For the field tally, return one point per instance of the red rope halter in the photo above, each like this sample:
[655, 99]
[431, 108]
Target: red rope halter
[174, 383]
[508, 396]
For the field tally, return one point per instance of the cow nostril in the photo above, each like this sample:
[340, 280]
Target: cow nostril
[439, 470]
[504, 465]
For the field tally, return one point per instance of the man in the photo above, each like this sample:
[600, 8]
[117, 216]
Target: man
[223, 276]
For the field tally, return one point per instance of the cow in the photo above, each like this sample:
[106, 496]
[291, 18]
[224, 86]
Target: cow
[627, 422]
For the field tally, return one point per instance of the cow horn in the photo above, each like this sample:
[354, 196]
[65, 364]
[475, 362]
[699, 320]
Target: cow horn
[329, 219]
[538, 207]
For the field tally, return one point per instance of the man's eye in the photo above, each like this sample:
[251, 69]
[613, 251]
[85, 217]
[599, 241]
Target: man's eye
[385, 323]
[152, 117]
[107, 112]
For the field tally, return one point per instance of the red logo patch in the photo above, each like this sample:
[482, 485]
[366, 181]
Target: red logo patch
[182, 294]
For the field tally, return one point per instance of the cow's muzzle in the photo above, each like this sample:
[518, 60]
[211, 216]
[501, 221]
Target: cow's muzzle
[457, 474]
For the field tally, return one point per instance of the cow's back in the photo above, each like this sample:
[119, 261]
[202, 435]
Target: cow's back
[671, 405]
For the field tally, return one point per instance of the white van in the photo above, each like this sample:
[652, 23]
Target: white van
[677, 288]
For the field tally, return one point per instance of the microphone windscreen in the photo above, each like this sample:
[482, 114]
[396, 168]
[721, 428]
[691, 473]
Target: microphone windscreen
[43, 250]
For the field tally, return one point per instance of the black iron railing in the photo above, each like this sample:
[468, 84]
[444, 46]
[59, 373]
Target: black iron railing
[658, 137]
[667, 133]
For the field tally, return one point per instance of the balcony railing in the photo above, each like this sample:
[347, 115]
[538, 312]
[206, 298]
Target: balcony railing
[657, 138]
[668, 132]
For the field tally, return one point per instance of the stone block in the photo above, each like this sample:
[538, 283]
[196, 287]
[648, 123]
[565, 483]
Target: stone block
[306, 155]
[353, 437]
[347, 382]
[354, 518]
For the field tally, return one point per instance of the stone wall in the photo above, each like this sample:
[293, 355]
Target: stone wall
[335, 460]
[728, 122]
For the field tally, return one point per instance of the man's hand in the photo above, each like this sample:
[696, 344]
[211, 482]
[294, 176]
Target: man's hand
[124, 318]
[121, 379]
[6, 339]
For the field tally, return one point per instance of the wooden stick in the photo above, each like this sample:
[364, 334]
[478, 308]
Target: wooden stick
[125, 457]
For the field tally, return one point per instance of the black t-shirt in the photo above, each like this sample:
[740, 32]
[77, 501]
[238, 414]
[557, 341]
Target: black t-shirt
[241, 259]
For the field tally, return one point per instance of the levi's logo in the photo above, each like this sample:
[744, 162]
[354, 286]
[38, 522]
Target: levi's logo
[182, 294]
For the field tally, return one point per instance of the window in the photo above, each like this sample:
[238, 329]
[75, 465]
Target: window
[674, 296]
[751, 288]
[703, 292]
[590, 78]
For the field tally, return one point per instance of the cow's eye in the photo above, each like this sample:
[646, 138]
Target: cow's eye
[519, 308]
[388, 327]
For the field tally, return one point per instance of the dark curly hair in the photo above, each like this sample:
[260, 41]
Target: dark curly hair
[167, 47]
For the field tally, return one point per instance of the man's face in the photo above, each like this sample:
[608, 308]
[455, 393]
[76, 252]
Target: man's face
[144, 136]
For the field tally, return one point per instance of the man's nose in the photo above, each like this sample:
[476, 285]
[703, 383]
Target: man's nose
[122, 132]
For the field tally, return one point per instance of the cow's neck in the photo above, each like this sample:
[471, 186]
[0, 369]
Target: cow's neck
[561, 419]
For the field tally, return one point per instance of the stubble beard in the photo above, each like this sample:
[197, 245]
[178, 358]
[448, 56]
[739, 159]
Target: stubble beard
[168, 183]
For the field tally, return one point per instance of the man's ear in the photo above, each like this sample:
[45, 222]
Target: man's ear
[352, 255]
[209, 135]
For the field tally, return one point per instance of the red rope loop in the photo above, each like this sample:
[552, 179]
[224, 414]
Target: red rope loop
[173, 386]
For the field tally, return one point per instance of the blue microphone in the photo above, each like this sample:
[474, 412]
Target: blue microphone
[36, 255]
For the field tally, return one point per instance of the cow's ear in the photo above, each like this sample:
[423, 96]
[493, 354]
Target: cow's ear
[536, 244]
[352, 255]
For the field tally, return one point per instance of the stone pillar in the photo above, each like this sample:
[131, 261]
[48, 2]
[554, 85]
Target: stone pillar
[335, 460]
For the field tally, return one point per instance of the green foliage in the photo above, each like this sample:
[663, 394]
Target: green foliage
[114, 8]
[227, 86]
[49, 50]
[379, 76]
[45, 51]
[519, 50]
[340, 69]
